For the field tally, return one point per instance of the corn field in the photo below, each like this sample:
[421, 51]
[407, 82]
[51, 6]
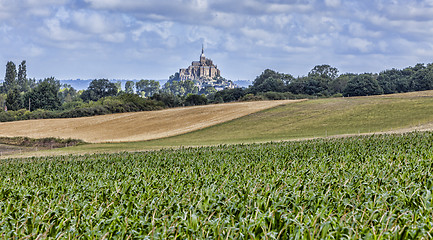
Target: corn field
[375, 187]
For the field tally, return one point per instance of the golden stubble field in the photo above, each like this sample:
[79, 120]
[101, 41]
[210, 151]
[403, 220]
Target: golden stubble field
[137, 126]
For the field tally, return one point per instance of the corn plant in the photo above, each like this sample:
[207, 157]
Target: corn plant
[375, 187]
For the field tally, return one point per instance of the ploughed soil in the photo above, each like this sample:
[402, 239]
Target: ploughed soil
[137, 126]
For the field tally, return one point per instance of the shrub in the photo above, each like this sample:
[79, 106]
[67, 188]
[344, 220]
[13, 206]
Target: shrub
[251, 97]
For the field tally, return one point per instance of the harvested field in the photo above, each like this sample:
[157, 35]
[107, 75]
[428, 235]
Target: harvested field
[138, 126]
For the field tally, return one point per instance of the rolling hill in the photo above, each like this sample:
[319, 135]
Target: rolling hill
[394, 113]
[137, 126]
[237, 123]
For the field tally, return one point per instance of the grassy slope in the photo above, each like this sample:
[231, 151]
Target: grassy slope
[313, 118]
[135, 126]
[316, 118]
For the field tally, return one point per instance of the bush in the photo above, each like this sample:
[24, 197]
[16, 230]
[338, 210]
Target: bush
[251, 97]
[194, 99]
[168, 99]
[363, 85]
[72, 105]
[274, 95]
[107, 105]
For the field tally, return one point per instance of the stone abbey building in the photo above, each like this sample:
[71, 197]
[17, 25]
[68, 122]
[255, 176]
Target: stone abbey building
[200, 70]
[204, 73]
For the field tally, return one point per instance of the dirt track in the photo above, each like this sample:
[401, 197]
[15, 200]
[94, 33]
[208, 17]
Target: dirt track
[139, 126]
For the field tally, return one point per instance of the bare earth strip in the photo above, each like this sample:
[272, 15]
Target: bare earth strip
[138, 126]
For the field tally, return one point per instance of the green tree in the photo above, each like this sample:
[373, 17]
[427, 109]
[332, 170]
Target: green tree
[422, 79]
[44, 95]
[2, 101]
[67, 93]
[129, 87]
[363, 85]
[14, 100]
[319, 80]
[169, 99]
[146, 88]
[195, 99]
[340, 83]
[271, 80]
[324, 71]
[118, 85]
[209, 90]
[174, 77]
[10, 81]
[189, 87]
[228, 95]
[31, 82]
[315, 85]
[22, 81]
[99, 88]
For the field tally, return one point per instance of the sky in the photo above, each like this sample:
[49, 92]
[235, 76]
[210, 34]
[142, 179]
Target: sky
[152, 39]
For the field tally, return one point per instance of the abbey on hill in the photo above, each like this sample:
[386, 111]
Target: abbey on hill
[203, 69]
[204, 73]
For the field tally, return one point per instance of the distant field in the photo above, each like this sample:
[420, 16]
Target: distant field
[137, 126]
[318, 118]
[297, 120]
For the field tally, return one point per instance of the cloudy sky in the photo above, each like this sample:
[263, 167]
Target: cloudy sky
[152, 39]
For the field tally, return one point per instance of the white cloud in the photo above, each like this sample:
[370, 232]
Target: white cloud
[62, 14]
[83, 25]
[6, 9]
[5, 28]
[231, 44]
[208, 35]
[410, 10]
[359, 30]
[225, 20]
[158, 7]
[54, 30]
[116, 37]
[92, 22]
[360, 44]
[282, 20]
[124, 4]
[33, 51]
[162, 29]
[261, 37]
[332, 3]
[249, 31]
[269, 8]
[34, 3]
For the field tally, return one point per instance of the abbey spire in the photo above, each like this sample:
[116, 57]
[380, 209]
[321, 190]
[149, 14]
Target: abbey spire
[202, 57]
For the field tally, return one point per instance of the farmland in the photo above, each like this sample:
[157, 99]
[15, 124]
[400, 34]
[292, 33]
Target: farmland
[136, 126]
[318, 118]
[396, 113]
[236, 123]
[368, 187]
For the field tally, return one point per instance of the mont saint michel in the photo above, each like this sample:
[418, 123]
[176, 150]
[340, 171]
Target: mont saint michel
[204, 73]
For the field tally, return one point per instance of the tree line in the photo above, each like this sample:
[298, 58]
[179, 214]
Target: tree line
[25, 98]
[324, 81]
[22, 98]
